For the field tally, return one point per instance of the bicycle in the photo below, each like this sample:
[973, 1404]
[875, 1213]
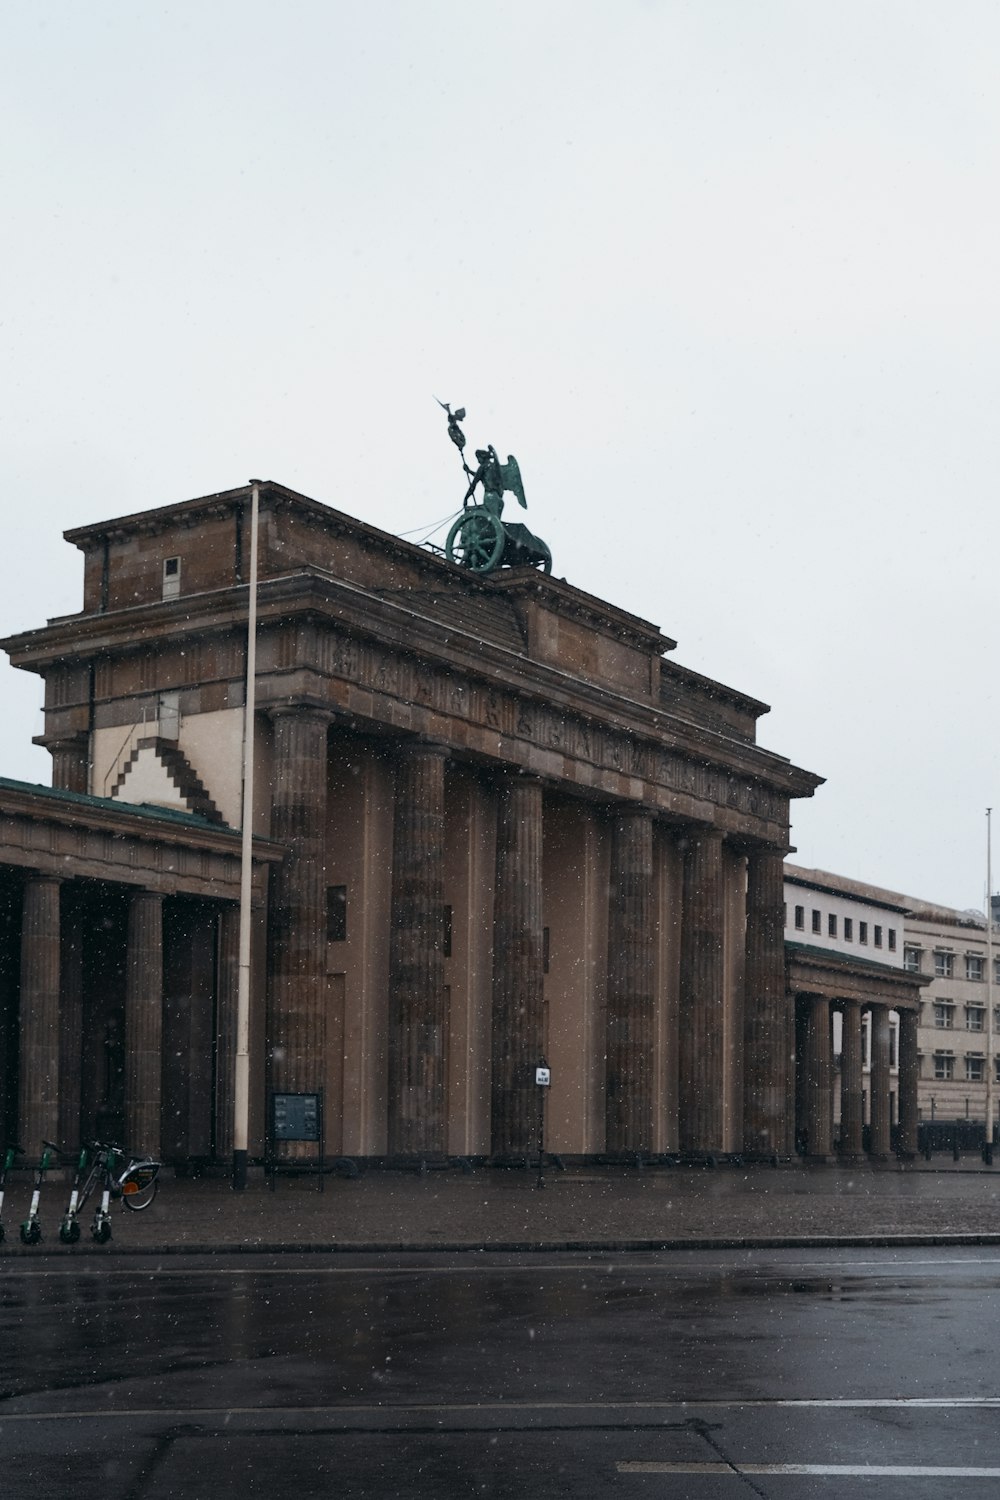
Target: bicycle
[133, 1179]
[9, 1156]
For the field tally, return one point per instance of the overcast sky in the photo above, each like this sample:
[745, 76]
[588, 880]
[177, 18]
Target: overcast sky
[723, 275]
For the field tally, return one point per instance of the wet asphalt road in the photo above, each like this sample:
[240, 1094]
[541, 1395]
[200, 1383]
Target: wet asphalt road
[687, 1374]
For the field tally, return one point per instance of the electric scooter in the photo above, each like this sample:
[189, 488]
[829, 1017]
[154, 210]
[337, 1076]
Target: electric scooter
[69, 1229]
[31, 1229]
[8, 1162]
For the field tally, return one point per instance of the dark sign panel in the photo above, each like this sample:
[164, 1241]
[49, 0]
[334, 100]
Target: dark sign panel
[296, 1117]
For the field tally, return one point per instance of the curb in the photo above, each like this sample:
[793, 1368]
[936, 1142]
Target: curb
[519, 1247]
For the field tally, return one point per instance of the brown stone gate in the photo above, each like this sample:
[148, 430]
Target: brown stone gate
[496, 822]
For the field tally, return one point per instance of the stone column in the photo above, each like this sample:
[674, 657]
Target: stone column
[227, 982]
[851, 1082]
[909, 1073]
[518, 1015]
[417, 1013]
[70, 763]
[38, 1067]
[767, 1129]
[702, 995]
[817, 1080]
[298, 901]
[629, 1027]
[71, 1026]
[880, 1135]
[144, 1022]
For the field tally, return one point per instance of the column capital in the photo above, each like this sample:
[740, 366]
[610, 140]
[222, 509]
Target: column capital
[419, 746]
[631, 810]
[301, 708]
[692, 834]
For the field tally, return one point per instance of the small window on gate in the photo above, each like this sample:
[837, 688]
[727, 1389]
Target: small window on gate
[336, 913]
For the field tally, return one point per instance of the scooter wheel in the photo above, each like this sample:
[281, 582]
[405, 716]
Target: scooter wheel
[31, 1233]
[102, 1233]
[69, 1233]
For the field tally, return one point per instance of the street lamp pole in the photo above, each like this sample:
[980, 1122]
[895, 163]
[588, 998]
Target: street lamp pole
[989, 987]
[241, 1091]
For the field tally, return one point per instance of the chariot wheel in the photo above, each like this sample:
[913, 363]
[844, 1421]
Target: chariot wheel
[476, 541]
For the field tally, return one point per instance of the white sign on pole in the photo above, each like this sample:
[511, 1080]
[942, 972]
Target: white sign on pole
[542, 1077]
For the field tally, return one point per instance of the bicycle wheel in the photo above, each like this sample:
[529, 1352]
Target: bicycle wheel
[138, 1188]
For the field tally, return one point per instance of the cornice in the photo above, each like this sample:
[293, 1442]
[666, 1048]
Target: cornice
[391, 621]
[73, 810]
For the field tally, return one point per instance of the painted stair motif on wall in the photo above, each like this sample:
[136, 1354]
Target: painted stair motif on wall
[157, 773]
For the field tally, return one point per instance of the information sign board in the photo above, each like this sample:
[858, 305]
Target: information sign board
[296, 1117]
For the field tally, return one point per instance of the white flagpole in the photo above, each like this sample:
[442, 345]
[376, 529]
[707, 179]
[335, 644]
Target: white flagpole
[989, 988]
[241, 1092]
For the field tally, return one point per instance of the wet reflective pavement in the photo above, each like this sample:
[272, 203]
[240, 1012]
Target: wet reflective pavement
[587, 1208]
[702, 1374]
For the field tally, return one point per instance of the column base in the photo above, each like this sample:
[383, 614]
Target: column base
[818, 1159]
[851, 1158]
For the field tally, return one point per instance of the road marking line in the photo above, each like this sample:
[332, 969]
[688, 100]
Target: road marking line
[81, 1268]
[840, 1471]
[492, 1408]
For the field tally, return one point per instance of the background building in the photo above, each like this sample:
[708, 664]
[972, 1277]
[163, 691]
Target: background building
[856, 1012]
[949, 949]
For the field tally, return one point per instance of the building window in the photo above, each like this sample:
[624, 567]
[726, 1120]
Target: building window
[944, 964]
[944, 1014]
[336, 913]
[169, 716]
[996, 971]
[446, 940]
[878, 936]
[996, 1069]
[892, 939]
[974, 1068]
[848, 929]
[944, 1066]
[800, 918]
[973, 966]
[171, 577]
[862, 932]
[911, 960]
[817, 921]
[975, 1018]
[893, 1046]
[831, 925]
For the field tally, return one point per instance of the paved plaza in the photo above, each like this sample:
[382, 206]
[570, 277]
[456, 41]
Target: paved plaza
[579, 1208]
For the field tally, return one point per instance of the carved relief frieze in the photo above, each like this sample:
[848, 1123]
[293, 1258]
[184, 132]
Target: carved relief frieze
[505, 712]
[488, 706]
[385, 671]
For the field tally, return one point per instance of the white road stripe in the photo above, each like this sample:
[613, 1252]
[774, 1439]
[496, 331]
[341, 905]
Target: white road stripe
[498, 1408]
[82, 1268]
[838, 1471]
